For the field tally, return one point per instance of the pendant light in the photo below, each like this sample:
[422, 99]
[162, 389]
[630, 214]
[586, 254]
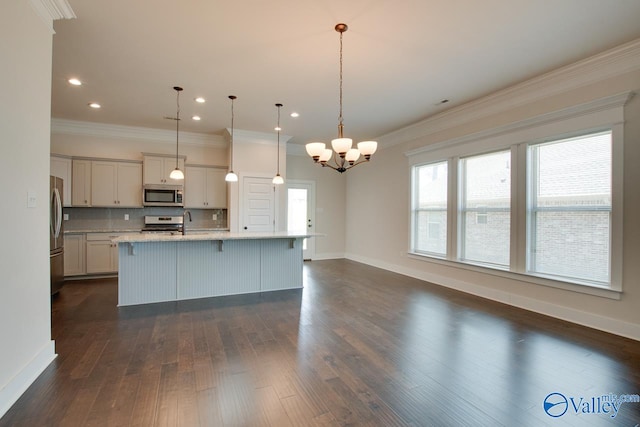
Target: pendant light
[278, 179]
[177, 173]
[343, 156]
[231, 176]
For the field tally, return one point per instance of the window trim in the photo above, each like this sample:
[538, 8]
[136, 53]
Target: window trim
[598, 115]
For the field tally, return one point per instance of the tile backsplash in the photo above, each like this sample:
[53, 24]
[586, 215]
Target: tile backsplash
[113, 219]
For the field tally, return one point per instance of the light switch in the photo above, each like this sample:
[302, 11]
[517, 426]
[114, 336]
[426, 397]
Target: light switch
[65, 217]
[32, 199]
[126, 217]
[214, 217]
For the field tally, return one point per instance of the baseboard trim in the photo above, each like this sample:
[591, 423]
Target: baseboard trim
[595, 321]
[328, 255]
[11, 392]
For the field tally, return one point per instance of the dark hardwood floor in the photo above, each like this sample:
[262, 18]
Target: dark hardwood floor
[358, 346]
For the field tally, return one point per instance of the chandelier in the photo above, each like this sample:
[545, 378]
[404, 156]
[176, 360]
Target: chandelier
[343, 157]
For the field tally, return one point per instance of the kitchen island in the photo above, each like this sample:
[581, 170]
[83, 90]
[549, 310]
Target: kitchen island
[164, 267]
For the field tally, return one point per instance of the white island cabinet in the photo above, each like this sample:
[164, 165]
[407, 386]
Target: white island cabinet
[156, 268]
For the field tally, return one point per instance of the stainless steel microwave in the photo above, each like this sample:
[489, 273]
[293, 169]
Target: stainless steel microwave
[162, 195]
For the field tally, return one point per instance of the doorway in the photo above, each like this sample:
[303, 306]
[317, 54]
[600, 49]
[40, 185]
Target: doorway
[301, 201]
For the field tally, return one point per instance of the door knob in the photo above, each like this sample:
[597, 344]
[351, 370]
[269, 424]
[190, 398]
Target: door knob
[245, 228]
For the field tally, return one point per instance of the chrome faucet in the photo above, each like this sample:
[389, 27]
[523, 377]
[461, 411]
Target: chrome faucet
[184, 215]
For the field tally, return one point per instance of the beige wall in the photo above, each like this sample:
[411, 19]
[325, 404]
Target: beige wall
[330, 204]
[377, 219]
[25, 109]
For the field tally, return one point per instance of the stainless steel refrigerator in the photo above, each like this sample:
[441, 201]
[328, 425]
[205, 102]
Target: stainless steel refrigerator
[56, 242]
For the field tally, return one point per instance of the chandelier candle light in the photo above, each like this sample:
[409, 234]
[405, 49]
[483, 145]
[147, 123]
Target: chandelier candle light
[278, 179]
[344, 157]
[231, 176]
[177, 173]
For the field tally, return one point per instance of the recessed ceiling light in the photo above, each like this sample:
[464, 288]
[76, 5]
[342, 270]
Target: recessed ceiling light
[196, 118]
[277, 128]
[200, 100]
[94, 105]
[75, 82]
[294, 115]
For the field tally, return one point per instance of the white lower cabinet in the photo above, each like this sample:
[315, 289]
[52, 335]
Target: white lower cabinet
[102, 254]
[74, 255]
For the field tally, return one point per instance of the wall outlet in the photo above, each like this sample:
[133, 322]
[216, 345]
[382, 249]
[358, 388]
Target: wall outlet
[126, 217]
[214, 217]
[65, 217]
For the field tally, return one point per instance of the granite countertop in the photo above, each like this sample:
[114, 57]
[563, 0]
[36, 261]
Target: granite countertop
[193, 235]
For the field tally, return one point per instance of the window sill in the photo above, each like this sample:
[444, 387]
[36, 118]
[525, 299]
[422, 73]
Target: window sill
[584, 288]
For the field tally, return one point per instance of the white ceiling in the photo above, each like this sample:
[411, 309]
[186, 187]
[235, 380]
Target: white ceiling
[401, 58]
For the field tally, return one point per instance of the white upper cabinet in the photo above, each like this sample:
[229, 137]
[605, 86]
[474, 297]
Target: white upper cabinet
[116, 184]
[205, 187]
[61, 167]
[81, 183]
[158, 168]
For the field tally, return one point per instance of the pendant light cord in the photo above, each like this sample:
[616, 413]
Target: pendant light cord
[232, 98]
[340, 126]
[177, 123]
[278, 105]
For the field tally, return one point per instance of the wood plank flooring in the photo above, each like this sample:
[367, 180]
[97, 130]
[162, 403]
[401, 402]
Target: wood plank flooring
[358, 346]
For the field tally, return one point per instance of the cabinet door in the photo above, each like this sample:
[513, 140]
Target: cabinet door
[74, 261]
[104, 184]
[153, 169]
[114, 257]
[158, 169]
[99, 256]
[129, 191]
[216, 195]
[61, 167]
[194, 187]
[81, 178]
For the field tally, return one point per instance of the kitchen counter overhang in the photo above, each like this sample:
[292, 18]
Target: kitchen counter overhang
[164, 267]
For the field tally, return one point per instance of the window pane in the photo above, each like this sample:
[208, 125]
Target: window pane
[574, 172]
[570, 212]
[430, 208]
[431, 232]
[485, 218]
[573, 244]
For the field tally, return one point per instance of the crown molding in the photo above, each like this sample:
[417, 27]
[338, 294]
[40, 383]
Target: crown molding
[251, 137]
[51, 10]
[73, 127]
[611, 63]
[603, 104]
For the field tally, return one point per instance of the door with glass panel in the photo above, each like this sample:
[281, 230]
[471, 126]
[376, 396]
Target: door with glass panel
[301, 212]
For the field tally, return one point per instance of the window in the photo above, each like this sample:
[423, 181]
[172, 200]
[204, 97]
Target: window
[430, 209]
[569, 209]
[484, 208]
[537, 201]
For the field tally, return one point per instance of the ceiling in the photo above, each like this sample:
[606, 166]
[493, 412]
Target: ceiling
[401, 58]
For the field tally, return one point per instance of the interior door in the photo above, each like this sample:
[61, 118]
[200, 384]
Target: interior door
[301, 213]
[258, 204]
